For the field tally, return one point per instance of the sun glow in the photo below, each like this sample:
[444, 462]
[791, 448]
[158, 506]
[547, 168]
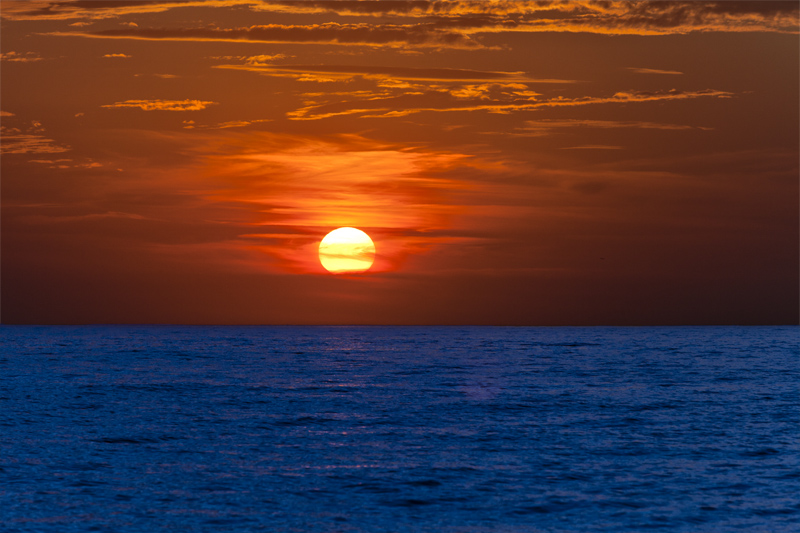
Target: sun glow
[346, 250]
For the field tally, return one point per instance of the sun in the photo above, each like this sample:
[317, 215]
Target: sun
[346, 250]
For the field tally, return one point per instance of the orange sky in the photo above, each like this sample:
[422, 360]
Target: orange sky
[521, 163]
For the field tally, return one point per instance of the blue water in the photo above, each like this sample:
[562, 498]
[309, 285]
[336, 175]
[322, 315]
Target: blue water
[379, 429]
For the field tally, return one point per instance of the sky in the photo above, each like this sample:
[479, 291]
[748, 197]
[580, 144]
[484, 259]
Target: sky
[515, 163]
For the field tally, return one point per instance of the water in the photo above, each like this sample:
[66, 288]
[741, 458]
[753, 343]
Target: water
[373, 429]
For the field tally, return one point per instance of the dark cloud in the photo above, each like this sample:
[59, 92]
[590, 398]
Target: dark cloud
[452, 23]
[54, 8]
[67, 10]
[692, 9]
[439, 7]
[369, 7]
[601, 16]
[329, 33]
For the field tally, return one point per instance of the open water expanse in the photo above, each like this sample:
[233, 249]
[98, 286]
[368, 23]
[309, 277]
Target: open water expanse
[392, 429]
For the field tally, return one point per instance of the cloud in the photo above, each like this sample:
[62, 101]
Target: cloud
[49, 161]
[162, 105]
[162, 76]
[545, 125]
[390, 35]
[469, 16]
[506, 102]
[117, 55]
[62, 219]
[98, 10]
[653, 71]
[6, 114]
[20, 57]
[29, 139]
[93, 10]
[66, 163]
[593, 147]
[397, 73]
[191, 124]
[611, 17]
[251, 60]
[263, 58]
[273, 196]
[16, 142]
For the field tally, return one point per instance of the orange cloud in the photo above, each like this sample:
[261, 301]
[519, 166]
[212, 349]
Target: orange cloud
[390, 35]
[467, 16]
[610, 17]
[546, 125]
[68, 10]
[190, 124]
[439, 101]
[117, 55]
[654, 71]
[66, 163]
[27, 139]
[396, 73]
[16, 142]
[162, 105]
[290, 191]
[20, 57]
[593, 147]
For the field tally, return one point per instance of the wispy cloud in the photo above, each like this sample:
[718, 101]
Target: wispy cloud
[288, 191]
[162, 76]
[258, 60]
[20, 57]
[398, 73]
[93, 10]
[545, 125]
[49, 161]
[191, 124]
[438, 101]
[27, 138]
[61, 219]
[593, 147]
[14, 141]
[390, 35]
[654, 71]
[117, 55]
[66, 163]
[162, 105]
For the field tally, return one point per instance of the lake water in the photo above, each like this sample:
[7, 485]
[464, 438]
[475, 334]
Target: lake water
[394, 429]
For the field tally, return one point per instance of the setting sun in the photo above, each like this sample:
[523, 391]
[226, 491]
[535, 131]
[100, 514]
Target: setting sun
[346, 250]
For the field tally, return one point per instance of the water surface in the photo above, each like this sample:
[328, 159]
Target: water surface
[384, 429]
